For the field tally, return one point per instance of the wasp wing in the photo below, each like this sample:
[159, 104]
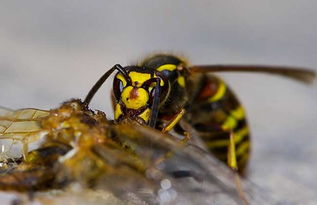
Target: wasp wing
[21, 125]
[300, 74]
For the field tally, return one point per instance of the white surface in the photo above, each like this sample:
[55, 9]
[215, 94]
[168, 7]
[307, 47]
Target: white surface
[50, 52]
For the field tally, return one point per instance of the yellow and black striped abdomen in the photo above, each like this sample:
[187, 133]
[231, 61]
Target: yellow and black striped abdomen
[215, 113]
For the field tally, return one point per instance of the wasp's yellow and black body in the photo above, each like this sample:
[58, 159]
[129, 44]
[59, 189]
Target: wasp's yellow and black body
[211, 107]
[163, 89]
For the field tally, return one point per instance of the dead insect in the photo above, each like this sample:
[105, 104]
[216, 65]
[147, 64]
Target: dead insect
[134, 163]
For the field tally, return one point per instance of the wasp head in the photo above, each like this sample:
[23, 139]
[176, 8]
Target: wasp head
[138, 92]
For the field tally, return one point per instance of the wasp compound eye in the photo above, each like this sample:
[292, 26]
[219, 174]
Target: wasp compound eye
[118, 84]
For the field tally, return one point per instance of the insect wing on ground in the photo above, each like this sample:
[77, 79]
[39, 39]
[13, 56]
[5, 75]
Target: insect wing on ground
[19, 127]
[134, 164]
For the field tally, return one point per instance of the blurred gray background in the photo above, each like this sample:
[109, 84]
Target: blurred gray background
[51, 51]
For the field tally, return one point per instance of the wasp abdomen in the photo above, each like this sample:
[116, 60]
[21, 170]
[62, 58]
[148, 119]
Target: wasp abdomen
[215, 113]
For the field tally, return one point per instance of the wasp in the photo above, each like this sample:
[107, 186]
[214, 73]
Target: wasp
[126, 156]
[164, 92]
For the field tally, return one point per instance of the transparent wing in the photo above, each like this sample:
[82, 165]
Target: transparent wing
[19, 126]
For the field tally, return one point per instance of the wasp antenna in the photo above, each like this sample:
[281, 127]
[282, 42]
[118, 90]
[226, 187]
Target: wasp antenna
[300, 74]
[103, 78]
[124, 73]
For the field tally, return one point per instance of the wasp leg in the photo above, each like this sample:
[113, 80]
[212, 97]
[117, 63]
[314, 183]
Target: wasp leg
[174, 121]
[232, 157]
[232, 163]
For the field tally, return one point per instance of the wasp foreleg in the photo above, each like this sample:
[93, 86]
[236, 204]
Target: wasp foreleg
[174, 121]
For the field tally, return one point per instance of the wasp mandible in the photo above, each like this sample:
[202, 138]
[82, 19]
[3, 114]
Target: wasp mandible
[164, 89]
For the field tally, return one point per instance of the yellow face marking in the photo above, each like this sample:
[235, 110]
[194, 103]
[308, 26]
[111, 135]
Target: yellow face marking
[120, 77]
[181, 81]
[169, 67]
[134, 98]
[140, 78]
[238, 113]
[219, 94]
[117, 112]
[145, 115]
